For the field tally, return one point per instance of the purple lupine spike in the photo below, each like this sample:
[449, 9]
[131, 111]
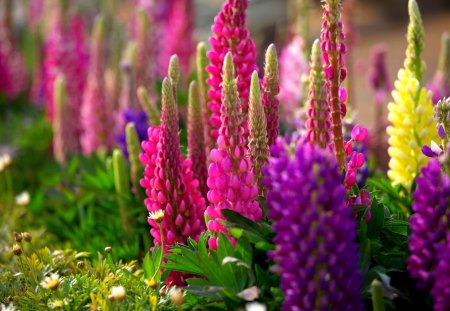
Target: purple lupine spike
[95, 118]
[333, 53]
[169, 181]
[230, 34]
[139, 119]
[179, 36]
[441, 287]
[440, 84]
[316, 253]
[318, 124]
[66, 54]
[270, 89]
[196, 138]
[429, 223]
[293, 69]
[230, 177]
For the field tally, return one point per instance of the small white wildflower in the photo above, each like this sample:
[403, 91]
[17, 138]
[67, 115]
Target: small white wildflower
[157, 215]
[118, 293]
[58, 303]
[51, 282]
[23, 199]
[255, 306]
[9, 307]
[176, 296]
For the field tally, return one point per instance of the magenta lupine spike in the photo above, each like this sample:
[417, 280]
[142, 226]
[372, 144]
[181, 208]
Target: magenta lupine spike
[379, 77]
[441, 287]
[333, 53]
[66, 54]
[230, 34]
[96, 119]
[179, 35]
[169, 181]
[318, 124]
[293, 68]
[230, 177]
[270, 90]
[35, 11]
[258, 142]
[440, 84]
[196, 138]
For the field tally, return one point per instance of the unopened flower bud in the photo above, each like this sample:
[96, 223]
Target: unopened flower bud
[80, 264]
[26, 236]
[108, 249]
[18, 237]
[17, 250]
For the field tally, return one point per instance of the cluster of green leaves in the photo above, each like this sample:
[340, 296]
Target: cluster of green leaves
[230, 276]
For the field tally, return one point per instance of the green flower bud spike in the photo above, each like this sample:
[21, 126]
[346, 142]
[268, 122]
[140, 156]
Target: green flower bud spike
[148, 106]
[61, 146]
[258, 143]
[134, 149]
[415, 37]
[377, 296]
[174, 73]
[202, 76]
[122, 184]
[196, 138]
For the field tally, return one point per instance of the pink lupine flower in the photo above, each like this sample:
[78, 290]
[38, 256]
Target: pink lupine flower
[230, 35]
[95, 118]
[179, 35]
[35, 11]
[169, 181]
[293, 72]
[230, 177]
[13, 78]
[333, 53]
[66, 55]
[318, 123]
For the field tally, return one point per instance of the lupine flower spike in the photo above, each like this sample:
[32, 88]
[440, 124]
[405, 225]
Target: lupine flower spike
[270, 89]
[122, 184]
[293, 74]
[441, 286]
[148, 105]
[62, 144]
[258, 143]
[230, 35]
[333, 54]
[168, 179]
[95, 117]
[429, 223]
[174, 73]
[315, 231]
[196, 141]
[202, 76]
[411, 113]
[134, 149]
[440, 85]
[230, 177]
[318, 124]
[145, 72]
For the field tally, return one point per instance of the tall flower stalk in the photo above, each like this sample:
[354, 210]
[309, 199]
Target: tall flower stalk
[168, 179]
[258, 143]
[202, 77]
[95, 118]
[230, 177]
[411, 113]
[196, 141]
[315, 231]
[333, 53]
[318, 124]
[270, 90]
[230, 34]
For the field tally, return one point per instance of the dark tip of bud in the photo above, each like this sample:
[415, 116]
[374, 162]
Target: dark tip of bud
[18, 237]
[26, 236]
[108, 249]
[17, 250]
